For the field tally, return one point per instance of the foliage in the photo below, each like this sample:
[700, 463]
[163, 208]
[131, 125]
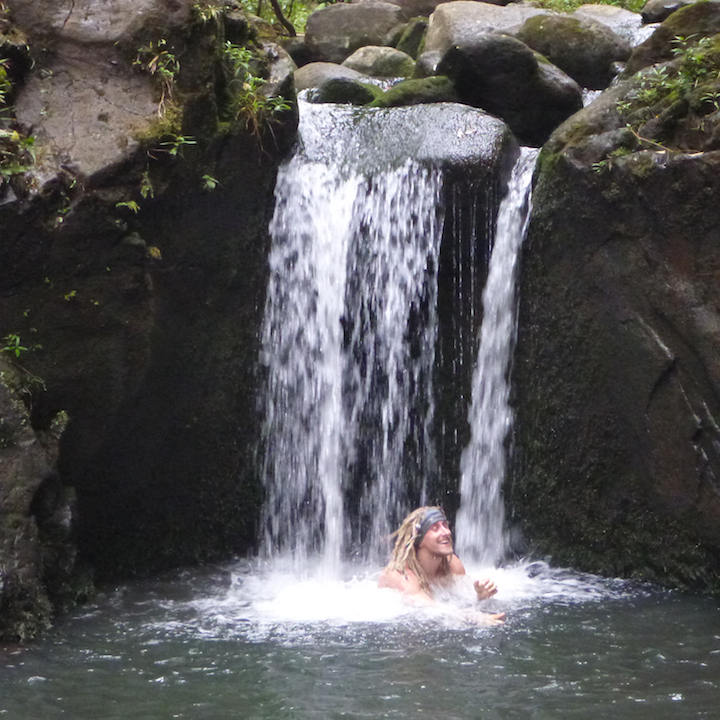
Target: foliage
[175, 143]
[157, 59]
[569, 6]
[206, 12]
[13, 345]
[247, 101]
[296, 11]
[17, 153]
[146, 187]
[606, 164]
[697, 62]
[5, 84]
[209, 182]
[130, 205]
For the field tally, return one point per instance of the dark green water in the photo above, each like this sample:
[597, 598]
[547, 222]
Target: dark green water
[229, 643]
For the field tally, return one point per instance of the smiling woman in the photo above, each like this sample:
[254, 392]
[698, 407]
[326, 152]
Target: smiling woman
[424, 558]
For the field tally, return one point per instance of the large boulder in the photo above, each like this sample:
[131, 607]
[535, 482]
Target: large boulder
[619, 336]
[465, 141]
[381, 62]
[344, 90]
[585, 49]
[316, 74]
[334, 32]
[503, 76]
[460, 21]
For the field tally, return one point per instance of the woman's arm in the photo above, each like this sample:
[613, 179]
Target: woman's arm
[407, 584]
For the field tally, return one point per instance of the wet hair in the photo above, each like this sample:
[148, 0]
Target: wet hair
[407, 539]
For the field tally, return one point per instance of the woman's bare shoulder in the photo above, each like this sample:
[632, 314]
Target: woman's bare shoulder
[406, 582]
[456, 566]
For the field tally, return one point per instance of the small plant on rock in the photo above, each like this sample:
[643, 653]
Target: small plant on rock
[247, 101]
[157, 59]
[206, 12]
[17, 152]
[696, 62]
[696, 65]
[682, 91]
[13, 345]
[5, 84]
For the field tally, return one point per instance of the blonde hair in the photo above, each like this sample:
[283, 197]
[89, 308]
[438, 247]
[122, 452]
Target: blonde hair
[404, 554]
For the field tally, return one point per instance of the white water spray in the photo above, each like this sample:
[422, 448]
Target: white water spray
[480, 527]
[302, 347]
[353, 285]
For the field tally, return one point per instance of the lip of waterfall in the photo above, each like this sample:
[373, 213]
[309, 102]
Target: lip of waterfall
[369, 140]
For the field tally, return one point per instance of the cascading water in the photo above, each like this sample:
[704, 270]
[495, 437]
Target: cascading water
[349, 342]
[303, 341]
[480, 529]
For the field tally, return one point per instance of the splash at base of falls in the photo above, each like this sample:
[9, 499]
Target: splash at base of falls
[272, 598]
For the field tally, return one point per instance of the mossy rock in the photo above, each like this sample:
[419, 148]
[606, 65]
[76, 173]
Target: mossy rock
[345, 91]
[583, 48]
[413, 36]
[379, 61]
[416, 92]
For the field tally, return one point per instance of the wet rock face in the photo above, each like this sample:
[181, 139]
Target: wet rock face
[132, 268]
[25, 607]
[617, 379]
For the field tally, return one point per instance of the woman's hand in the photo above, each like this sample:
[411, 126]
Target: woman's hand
[485, 589]
[482, 618]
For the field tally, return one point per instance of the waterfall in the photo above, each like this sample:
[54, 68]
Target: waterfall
[303, 349]
[348, 344]
[480, 527]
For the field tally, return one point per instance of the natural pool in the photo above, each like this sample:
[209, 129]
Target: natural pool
[244, 642]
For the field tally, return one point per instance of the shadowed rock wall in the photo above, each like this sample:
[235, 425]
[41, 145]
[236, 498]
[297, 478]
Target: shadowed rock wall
[617, 380]
[133, 271]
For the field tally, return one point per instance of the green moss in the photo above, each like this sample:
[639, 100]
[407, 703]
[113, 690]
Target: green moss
[163, 126]
[549, 165]
[414, 92]
[346, 90]
[413, 37]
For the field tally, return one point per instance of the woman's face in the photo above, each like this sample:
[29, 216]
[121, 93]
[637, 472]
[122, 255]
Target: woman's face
[438, 539]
